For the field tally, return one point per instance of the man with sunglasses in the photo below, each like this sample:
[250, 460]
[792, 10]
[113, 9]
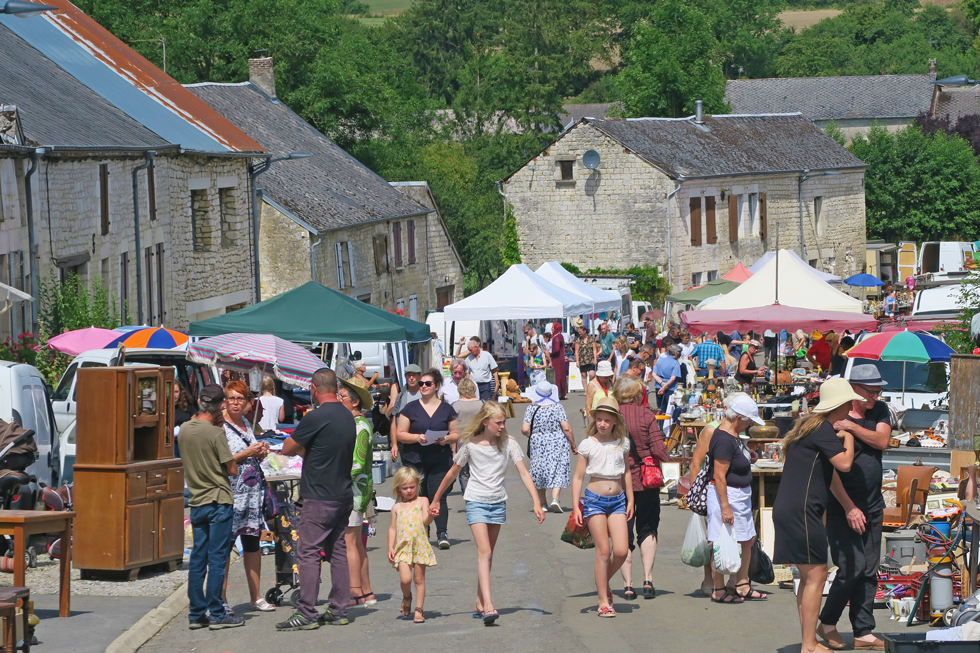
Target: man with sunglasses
[854, 520]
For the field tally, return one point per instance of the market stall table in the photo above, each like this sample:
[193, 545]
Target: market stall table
[765, 485]
[21, 524]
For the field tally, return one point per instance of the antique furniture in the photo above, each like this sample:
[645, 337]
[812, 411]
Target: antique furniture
[21, 524]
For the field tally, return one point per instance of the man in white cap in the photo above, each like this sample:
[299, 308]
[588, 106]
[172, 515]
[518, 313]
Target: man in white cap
[854, 520]
[482, 368]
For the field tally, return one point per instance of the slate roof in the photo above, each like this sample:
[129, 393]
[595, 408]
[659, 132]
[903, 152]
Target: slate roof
[727, 145]
[575, 112]
[834, 98]
[330, 190]
[57, 109]
[955, 102]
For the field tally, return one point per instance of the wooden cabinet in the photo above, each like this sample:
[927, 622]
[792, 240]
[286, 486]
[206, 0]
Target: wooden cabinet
[129, 489]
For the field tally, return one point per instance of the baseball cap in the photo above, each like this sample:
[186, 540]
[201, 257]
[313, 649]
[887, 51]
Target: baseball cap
[212, 392]
[745, 407]
[413, 369]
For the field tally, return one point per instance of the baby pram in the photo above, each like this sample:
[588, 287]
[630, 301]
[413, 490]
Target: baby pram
[284, 529]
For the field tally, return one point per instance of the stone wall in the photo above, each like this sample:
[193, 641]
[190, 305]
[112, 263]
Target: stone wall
[616, 216]
[284, 252]
[14, 265]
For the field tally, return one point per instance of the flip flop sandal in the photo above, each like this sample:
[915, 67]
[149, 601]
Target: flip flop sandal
[490, 617]
[728, 599]
[752, 594]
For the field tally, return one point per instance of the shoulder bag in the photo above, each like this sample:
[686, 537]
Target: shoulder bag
[697, 497]
[531, 431]
[650, 473]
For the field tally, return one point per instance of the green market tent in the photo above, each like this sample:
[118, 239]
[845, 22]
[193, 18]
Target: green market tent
[315, 313]
[697, 295]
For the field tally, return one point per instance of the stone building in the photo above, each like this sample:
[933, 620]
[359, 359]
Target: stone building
[329, 218]
[853, 103]
[704, 194]
[100, 134]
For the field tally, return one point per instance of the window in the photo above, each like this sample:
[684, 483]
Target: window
[411, 242]
[339, 251]
[161, 305]
[199, 220]
[752, 220]
[444, 297]
[229, 229]
[732, 218]
[763, 215]
[124, 287]
[104, 196]
[695, 209]
[709, 220]
[345, 264]
[380, 254]
[567, 169]
[364, 298]
[151, 317]
[818, 215]
[151, 190]
[813, 263]
[712, 275]
[744, 219]
[350, 263]
[413, 307]
[396, 242]
[696, 279]
[400, 303]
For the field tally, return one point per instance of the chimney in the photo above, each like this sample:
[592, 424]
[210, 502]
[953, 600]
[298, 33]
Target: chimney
[932, 66]
[698, 113]
[261, 74]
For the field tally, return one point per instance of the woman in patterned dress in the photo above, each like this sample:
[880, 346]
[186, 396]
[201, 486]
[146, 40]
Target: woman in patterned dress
[357, 399]
[551, 440]
[248, 488]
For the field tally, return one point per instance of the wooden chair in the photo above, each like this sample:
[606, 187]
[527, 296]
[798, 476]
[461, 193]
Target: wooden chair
[8, 612]
[18, 597]
[912, 489]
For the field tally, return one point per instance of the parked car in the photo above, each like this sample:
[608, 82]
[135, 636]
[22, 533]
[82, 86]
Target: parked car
[923, 385]
[25, 399]
[939, 302]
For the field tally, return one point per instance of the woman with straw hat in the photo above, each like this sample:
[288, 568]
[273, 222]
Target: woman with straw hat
[551, 439]
[812, 450]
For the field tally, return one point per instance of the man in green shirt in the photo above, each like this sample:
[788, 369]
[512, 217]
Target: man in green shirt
[208, 462]
[606, 339]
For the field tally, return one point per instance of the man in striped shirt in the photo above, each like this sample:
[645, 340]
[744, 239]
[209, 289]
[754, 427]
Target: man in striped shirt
[709, 349]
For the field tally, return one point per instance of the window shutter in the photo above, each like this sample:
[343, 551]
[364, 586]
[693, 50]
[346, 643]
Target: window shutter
[379, 253]
[411, 242]
[709, 218]
[695, 221]
[104, 197]
[339, 248]
[732, 218]
[350, 263]
[763, 226]
[396, 240]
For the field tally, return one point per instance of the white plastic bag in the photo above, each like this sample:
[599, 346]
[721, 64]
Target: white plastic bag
[728, 553]
[696, 551]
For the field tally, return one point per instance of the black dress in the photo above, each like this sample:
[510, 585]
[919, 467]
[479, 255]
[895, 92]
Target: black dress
[432, 461]
[804, 492]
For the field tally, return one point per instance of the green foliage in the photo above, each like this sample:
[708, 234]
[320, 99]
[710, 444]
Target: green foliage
[958, 337]
[647, 284]
[33, 350]
[68, 305]
[670, 63]
[835, 132]
[571, 267]
[512, 251]
[354, 8]
[919, 187]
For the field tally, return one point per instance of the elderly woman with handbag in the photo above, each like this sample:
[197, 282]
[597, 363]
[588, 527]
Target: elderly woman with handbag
[550, 439]
[647, 451]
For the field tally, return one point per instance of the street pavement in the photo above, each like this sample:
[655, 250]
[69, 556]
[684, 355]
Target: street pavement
[542, 587]
[94, 623]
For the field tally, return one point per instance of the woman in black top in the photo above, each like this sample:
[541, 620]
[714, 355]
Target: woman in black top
[730, 495]
[747, 370]
[432, 460]
[811, 453]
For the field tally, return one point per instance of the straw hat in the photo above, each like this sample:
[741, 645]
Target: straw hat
[577, 322]
[367, 403]
[608, 405]
[835, 393]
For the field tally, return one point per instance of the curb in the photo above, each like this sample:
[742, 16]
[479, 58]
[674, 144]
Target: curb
[151, 623]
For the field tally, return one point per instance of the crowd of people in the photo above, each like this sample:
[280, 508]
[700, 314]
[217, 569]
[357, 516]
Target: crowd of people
[444, 429]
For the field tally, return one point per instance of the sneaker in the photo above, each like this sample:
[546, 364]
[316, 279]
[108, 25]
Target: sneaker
[227, 621]
[554, 506]
[197, 624]
[444, 540]
[298, 622]
[328, 619]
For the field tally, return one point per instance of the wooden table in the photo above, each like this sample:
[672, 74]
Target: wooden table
[21, 524]
[973, 514]
[759, 502]
[679, 432]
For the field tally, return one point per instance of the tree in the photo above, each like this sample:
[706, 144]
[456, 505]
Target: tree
[919, 187]
[646, 285]
[958, 337]
[835, 132]
[673, 60]
[68, 305]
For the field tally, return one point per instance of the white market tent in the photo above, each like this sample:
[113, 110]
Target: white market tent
[519, 294]
[788, 253]
[799, 285]
[602, 300]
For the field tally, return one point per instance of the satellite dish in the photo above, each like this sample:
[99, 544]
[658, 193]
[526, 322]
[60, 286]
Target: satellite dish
[591, 159]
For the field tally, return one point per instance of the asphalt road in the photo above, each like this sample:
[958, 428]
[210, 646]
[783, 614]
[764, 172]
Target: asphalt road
[543, 589]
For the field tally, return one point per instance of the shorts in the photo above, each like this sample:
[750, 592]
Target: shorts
[486, 513]
[597, 504]
[356, 519]
[584, 369]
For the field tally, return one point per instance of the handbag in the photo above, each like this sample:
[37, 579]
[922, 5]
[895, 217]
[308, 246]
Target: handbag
[549, 374]
[577, 536]
[697, 496]
[760, 566]
[650, 473]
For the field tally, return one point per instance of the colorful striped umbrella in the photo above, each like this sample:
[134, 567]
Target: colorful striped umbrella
[243, 351]
[150, 338]
[908, 346]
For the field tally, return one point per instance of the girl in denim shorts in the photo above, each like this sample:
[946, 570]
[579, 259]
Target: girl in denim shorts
[486, 447]
[608, 500]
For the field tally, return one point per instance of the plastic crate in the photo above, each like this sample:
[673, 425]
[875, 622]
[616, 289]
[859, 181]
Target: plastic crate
[924, 612]
[914, 643]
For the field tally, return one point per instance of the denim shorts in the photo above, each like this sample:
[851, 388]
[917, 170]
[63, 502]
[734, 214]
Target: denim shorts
[486, 513]
[597, 504]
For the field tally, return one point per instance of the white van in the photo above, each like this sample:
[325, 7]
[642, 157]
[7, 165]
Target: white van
[938, 302]
[374, 355]
[450, 332]
[945, 260]
[24, 399]
[926, 384]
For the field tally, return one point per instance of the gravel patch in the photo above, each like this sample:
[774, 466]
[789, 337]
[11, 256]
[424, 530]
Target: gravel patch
[43, 579]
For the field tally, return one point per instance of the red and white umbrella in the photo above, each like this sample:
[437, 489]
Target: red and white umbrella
[244, 351]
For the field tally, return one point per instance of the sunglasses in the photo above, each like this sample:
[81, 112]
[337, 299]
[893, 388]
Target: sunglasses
[426, 384]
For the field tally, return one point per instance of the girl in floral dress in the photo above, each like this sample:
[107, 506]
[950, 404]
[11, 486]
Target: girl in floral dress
[408, 546]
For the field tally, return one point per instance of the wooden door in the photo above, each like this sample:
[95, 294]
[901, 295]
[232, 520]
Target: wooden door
[140, 533]
[170, 527]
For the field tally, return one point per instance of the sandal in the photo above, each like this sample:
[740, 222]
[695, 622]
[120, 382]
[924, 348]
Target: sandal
[607, 611]
[727, 599]
[752, 594]
[406, 605]
[490, 617]
[649, 591]
[419, 616]
[629, 593]
[369, 598]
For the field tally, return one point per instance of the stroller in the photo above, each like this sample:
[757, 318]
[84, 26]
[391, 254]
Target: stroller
[285, 523]
[18, 451]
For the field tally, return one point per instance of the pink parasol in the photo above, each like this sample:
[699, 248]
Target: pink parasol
[738, 274]
[79, 340]
[775, 317]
